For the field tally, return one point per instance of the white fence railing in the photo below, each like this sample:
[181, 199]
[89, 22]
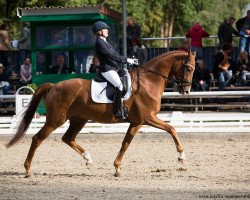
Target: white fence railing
[212, 122]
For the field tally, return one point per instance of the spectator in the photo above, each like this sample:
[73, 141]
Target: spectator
[222, 66]
[5, 44]
[196, 33]
[201, 78]
[24, 42]
[94, 65]
[243, 71]
[40, 64]
[60, 67]
[186, 45]
[133, 31]
[243, 26]
[139, 51]
[226, 31]
[4, 81]
[26, 72]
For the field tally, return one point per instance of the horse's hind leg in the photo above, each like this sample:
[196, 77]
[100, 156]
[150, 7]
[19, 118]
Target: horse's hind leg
[158, 123]
[37, 139]
[70, 135]
[132, 130]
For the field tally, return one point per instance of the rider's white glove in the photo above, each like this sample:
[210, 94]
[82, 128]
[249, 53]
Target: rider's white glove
[130, 61]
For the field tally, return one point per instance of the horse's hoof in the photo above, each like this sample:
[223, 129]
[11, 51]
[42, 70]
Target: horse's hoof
[117, 174]
[27, 175]
[181, 159]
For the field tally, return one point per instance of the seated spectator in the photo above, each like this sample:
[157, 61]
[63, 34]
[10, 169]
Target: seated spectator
[201, 78]
[94, 65]
[40, 65]
[185, 46]
[60, 67]
[4, 81]
[138, 51]
[222, 66]
[243, 69]
[26, 73]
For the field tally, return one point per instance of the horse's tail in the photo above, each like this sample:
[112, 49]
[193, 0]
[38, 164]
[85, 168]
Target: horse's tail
[29, 113]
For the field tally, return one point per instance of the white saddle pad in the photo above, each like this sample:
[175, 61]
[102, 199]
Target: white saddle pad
[98, 93]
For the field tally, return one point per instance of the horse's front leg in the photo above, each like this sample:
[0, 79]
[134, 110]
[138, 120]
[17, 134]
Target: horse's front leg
[158, 123]
[132, 130]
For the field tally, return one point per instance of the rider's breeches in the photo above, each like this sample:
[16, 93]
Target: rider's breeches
[113, 78]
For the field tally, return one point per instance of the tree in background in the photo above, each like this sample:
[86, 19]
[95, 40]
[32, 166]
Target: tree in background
[161, 18]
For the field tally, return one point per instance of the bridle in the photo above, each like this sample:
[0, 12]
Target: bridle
[179, 81]
[182, 70]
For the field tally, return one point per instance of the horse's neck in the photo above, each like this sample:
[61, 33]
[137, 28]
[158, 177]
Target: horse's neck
[153, 78]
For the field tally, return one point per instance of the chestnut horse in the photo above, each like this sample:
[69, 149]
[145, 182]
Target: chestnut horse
[71, 100]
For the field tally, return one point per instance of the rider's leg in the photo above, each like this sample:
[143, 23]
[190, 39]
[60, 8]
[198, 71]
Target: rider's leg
[114, 79]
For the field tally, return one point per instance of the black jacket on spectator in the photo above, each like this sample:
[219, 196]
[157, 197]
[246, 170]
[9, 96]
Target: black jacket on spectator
[225, 33]
[218, 58]
[240, 23]
[133, 32]
[107, 56]
[65, 70]
[200, 74]
[4, 76]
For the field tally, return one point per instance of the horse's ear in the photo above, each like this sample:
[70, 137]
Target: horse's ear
[194, 53]
[189, 52]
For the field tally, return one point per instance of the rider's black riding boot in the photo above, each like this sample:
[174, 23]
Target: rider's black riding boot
[118, 105]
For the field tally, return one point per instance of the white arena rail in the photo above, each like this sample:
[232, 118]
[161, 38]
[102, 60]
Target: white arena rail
[199, 122]
[213, 122]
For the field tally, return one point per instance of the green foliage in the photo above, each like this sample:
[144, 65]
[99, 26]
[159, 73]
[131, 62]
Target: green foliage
[161, 18]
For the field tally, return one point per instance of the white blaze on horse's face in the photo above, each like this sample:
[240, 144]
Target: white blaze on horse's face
[184, 75]
[186, 79]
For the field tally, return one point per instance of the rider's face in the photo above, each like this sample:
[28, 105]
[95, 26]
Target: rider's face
[105, 32]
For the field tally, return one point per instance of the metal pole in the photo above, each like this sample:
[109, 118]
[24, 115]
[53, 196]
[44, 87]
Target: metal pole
[124, 35]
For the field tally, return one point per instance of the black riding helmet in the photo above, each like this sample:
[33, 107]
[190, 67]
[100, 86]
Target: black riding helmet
[99, 25]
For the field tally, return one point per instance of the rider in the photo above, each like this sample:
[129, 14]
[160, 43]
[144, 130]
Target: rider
[109, 60]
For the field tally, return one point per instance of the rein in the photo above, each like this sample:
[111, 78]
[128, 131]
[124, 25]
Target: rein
[178, 81]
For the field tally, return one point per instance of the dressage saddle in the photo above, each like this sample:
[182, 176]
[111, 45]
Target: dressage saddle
[110, 89]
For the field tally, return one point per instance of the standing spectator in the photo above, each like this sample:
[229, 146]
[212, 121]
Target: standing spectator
[24, 42]
[26, 72]
[222, 65]
[94, 65]
[226, 31]
[4, 81]
[5, 44]
[201, 78]
[196, 33]
[133, 31]
[139, 51]
[243, 26]
[243, 69]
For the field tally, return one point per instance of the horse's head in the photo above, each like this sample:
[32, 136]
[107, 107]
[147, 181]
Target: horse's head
[184, 74]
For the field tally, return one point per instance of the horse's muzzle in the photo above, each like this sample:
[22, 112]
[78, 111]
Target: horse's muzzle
[185, 91]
